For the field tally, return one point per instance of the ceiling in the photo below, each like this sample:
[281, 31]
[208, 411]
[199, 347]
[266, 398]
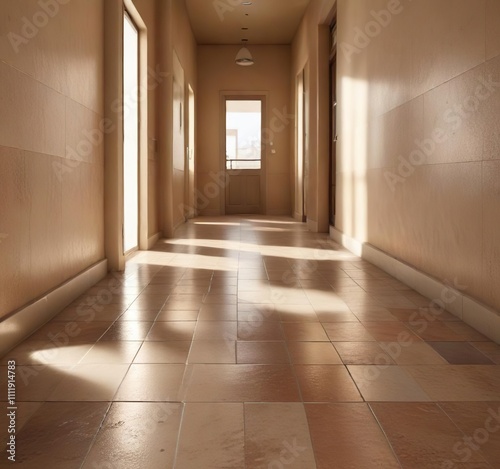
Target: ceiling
[268, 21]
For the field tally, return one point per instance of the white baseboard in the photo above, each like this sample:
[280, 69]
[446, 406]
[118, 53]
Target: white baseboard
[471, 311]
[153, 240]
[28, 319]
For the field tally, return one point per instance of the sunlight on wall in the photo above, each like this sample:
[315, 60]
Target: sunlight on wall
[353, 144]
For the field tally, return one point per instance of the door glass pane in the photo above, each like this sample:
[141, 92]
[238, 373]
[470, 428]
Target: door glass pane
[243, 134]
[131, 136]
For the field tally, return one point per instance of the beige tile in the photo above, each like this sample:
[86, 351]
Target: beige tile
[387, 383]
[38, 352]
[313, 353]
[347, 332]
[262, 352]
[137, 434]
[127, 330]
[457, 382]
[174, 351]
[215, 330]
[433, 434]
[240, 383]
[479, 421]
[34, 383]
[90, 382]
[405, 353]
[23, 414]
[338, 431]
[152, 382]
[212, 436]
[212, 351]
[306, 332]
[72, 430]
[362, 353]
[259, 330]
[166, 331]
[326, 383]
[173, 315]
[218, 312]
[277, 434]
[113, 352]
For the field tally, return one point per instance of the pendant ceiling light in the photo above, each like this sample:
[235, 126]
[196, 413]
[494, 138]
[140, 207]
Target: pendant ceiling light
[244, 57]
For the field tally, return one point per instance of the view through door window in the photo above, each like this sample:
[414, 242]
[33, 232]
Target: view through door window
[243, 134]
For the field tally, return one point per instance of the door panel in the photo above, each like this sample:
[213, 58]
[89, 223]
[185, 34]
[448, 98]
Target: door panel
[244, 160]
[131, 136]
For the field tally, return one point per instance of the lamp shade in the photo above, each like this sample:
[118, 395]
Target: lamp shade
[244, 57]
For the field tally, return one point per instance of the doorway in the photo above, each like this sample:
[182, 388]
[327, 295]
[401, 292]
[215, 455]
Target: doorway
[244, 154]
[190, 156]
[131, 135]
[300, 164]
[333, 123]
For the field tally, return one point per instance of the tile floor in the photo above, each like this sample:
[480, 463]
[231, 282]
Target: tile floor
[252, 343]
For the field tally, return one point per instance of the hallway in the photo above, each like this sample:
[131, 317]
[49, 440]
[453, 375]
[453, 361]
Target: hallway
[254, 343]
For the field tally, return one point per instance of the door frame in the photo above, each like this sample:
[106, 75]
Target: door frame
[243, 95]
[134, 15]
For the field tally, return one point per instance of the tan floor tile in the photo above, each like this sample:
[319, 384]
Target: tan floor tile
[306, 332]
[435, 331]
[277, 435]
[211, 437]
[480, 422]
[152, 382]
[240, 383]
[174, 315]
[175, 330]
[174, 351]
[347, 332]
[259, 330]
[127, 330]
[38, 352]
[490, 349]
[421, 434]
[385, 331]
[212, 351]
[362, 353]
[386, 383]
[347, 436]
[313, 353]
[69, 427]
[111, 352]
[64, 333]
[34, 383]
[262, 352]
[408, 353]
[144, 315]
[90, 382]
[326, 383]
[258, 313]
[218, 312]
[137, 434]
[215, 330]
[458, 382]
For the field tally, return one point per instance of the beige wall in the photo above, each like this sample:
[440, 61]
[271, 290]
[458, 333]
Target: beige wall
[174, 36]
[310, 53]
[51, 171]
[218, 72]
[415, 92]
